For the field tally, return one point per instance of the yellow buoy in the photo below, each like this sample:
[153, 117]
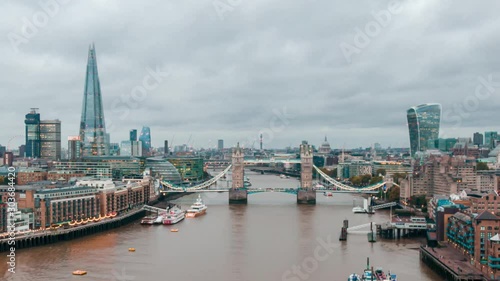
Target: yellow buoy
[79, 272]
[131, 249]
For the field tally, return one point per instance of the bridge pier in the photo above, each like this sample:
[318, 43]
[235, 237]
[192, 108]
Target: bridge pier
[306, 196]
[238, 196]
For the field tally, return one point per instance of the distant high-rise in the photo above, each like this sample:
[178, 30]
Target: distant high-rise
[92, 125]
[131, 148]
[74, 148]
[32, 143]
[50, 139]
[133, 135]
[145, 138]
[3, 149]
[165, 148]
[220, 144]
[490, 139]
[423, 125]
[478, 139]
[8, 158]
[260, 142]
[22, 150]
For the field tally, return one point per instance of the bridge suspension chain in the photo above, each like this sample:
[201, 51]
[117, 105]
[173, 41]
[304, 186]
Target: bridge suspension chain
[345, 186]
[199, 186]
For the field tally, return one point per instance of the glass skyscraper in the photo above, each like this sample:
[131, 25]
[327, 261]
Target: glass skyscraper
[33, 143]
[423, 125]
[92, 125]
[50, 136]
[145, 138]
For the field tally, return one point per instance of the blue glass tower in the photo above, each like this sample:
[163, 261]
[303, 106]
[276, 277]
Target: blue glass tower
[423, 125]
[145, 138]
[92, 125]
[33, 139]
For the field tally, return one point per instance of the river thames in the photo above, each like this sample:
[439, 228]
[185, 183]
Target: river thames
[270, 238]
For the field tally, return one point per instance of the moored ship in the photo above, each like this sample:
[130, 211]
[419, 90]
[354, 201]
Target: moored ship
[174, 216]
[197, 209]
[148, 220]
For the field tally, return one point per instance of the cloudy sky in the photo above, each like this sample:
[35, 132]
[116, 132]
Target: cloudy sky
[200, 70]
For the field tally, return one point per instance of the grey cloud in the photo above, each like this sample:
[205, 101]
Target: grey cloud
[228, 75]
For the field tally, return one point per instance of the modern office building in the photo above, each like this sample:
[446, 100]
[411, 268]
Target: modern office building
[8, 158]
[490, 138]
[32, 134]
[190, 168]
[162, 169]
[478, 139]
[3, 149]
[220, 144]
[22, 150]
[74, 148]
[114, 149]
[133, 135]
[166, 151]
[131, 148]
[50, 139]
[145, 138]
[92, 125]
[423, 125]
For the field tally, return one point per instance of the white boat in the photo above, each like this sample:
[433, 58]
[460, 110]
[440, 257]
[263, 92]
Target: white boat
[282, 176]
[159, 219]
[328, 194]
[358, 210]
[148, 220]
[197, 209]
[174, 216]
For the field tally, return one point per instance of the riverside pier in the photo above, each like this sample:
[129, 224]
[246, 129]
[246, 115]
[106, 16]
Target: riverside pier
[450, 263]
[52, 236]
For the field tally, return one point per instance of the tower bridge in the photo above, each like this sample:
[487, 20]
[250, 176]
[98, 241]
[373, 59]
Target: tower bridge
[238, 193]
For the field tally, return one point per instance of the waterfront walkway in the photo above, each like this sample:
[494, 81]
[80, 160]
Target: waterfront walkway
[450, 262]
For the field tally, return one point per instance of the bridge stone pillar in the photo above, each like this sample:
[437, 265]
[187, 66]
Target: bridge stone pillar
[306, 194]
[238, 193]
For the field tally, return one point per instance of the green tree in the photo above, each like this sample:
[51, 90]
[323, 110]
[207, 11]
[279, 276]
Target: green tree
[398, 176]
[330, 173]
[365, 179]
[380, 171]
[482, 166]
[356, 180]
[393, 194]
[418, 201]
[375, 180]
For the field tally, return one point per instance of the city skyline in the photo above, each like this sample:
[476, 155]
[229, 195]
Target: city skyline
[230, 88]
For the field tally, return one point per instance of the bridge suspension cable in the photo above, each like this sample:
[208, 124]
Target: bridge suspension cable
[345, 186]
[199, 186]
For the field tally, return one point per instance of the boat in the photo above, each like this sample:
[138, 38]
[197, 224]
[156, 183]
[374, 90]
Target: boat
[354, 277]
[131, 249]
[174, 216]
[368, 276]
[328, 194]
[197, 209]
[174, 230]
[159, 219]
[79, 272]
[282, 176]
[358, 210]
[148, 220]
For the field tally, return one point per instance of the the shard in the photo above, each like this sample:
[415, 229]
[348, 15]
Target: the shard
[92, 125]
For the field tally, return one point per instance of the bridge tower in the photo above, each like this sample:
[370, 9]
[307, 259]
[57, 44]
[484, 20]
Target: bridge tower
[306, 194]
[238, 193]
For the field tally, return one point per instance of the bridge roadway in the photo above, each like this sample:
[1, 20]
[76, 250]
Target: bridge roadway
[259, 190]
